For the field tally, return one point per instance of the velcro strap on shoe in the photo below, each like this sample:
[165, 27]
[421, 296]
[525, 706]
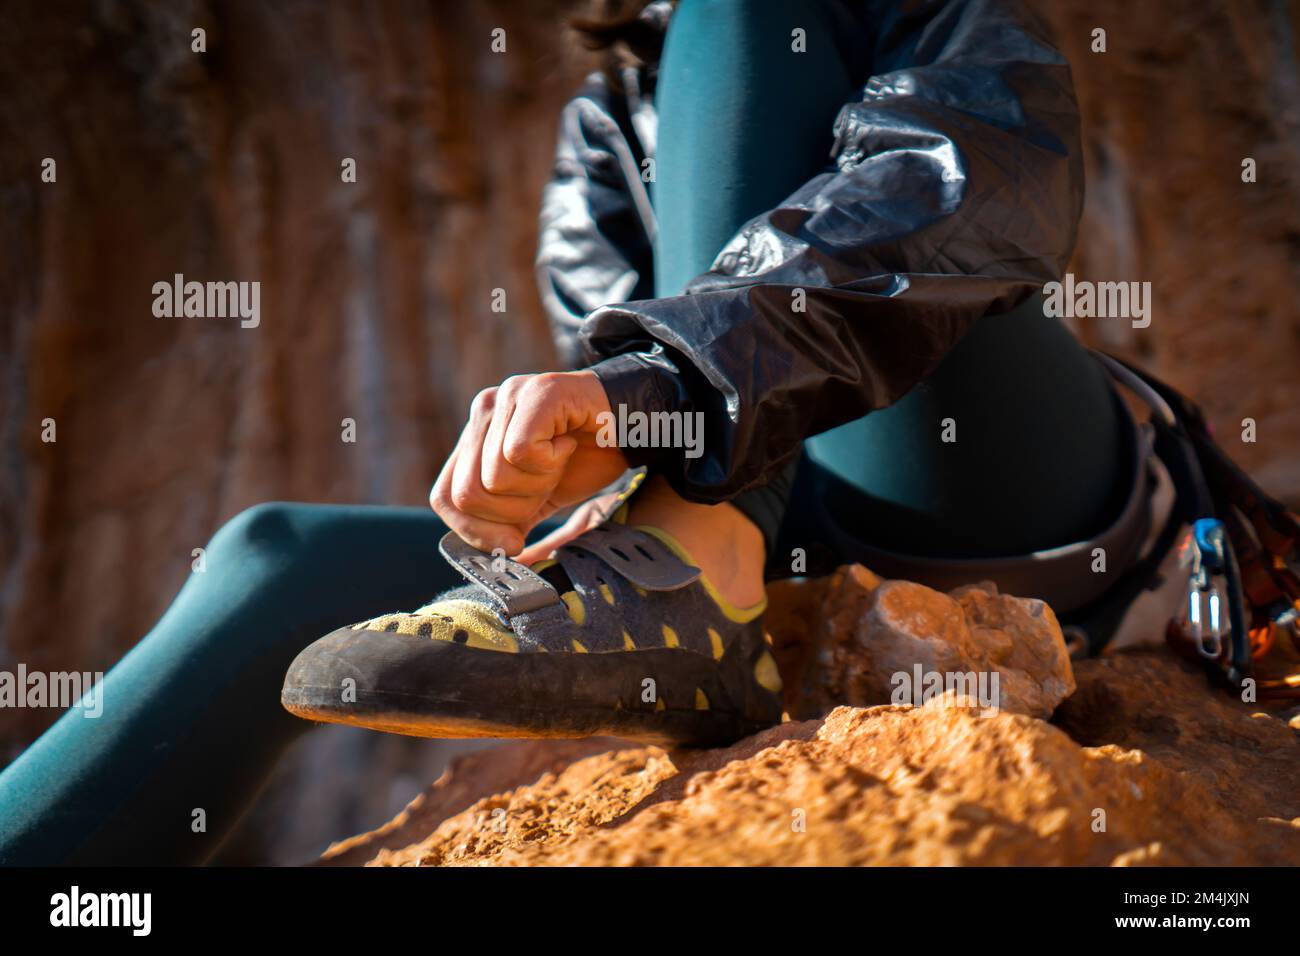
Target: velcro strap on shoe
[515, 587]
[641, 558]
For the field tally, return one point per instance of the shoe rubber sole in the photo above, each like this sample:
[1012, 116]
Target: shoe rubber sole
[419, 687]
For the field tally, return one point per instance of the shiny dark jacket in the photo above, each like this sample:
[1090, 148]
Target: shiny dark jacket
[953, 191]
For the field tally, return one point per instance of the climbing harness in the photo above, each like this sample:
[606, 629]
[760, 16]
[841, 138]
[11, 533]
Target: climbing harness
[1237, 546]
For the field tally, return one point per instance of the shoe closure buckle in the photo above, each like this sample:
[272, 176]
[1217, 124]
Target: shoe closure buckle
[515, 587]
[641, 558]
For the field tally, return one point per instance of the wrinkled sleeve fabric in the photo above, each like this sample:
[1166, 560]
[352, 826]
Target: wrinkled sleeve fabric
[594, 243]
[955, 192]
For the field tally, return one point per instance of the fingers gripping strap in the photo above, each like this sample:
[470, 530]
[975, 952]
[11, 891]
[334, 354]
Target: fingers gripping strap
[514, 587]
[641, 558]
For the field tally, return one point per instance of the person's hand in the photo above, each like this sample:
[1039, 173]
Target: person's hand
[584, 517]
[528, 450]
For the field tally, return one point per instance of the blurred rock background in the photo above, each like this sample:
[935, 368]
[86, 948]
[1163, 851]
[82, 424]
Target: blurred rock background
[376, 295]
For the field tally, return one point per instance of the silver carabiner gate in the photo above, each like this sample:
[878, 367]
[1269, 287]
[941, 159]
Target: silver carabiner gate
[1202, 556]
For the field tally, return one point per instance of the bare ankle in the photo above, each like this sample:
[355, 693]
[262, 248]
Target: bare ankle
[726, 545]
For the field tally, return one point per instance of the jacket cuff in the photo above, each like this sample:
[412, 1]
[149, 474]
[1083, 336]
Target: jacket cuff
[641, 382]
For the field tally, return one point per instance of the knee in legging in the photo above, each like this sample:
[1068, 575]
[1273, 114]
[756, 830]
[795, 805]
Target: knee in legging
[267, 528]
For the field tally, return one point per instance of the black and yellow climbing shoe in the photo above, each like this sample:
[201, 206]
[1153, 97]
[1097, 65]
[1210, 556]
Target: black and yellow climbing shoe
[617, 634]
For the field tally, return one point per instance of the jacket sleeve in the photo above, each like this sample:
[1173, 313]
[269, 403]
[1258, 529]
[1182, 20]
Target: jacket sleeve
[955, 192]
[596, 223]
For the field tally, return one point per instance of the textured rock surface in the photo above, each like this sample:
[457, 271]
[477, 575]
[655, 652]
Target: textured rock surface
[1146, 766]
[1183, 94]
[464, 783]
[862, 641]
[375, 295]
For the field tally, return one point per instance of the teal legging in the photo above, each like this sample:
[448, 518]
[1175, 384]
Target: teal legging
[191, 718]
[744, 122]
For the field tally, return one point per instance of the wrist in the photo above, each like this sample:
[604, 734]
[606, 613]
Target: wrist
[644, 382]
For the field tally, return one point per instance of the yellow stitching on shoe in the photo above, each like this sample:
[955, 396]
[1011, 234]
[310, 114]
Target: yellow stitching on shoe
[628, 643]
[716, 640]
[766, 673]
[607, 594]
[740, 615]
[577, 610]
[670, 637]
[541, 566]
[577, 646]
[701, 702]
[660, 705]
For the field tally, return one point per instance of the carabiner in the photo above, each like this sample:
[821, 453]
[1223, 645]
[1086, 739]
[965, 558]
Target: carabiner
[1202, 556]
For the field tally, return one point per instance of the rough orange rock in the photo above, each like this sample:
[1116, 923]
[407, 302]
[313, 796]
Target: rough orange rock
[461, 786]
[885, 785]
[1144, 765]
[869, 641]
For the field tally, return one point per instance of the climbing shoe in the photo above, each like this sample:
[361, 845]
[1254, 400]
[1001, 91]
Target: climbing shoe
[618, 634]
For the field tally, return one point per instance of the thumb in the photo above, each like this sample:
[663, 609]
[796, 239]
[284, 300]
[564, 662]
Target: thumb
[529, 448]
[549, 412]
[563, 448]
